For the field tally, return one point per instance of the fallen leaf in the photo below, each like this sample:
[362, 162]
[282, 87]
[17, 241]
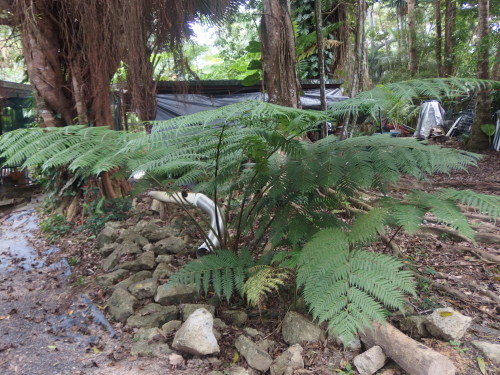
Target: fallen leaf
[445, 314]
[482, 365]
[52, 347]
[4, 317]
[95, 350]
[236, 357]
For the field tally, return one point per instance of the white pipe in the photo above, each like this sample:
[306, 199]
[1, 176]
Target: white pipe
[206, 205]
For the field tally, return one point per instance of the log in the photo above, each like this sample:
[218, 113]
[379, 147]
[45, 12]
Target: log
[414, 357]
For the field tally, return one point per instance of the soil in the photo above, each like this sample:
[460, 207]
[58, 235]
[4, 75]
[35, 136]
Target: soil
[51, 318]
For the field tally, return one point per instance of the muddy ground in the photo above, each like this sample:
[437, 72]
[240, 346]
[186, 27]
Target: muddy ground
[53, 316]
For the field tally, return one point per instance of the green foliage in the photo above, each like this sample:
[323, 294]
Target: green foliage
[285, 192]
[103, 210]
[54, 226]
[225, 271]
[348, 287]
[489, 130]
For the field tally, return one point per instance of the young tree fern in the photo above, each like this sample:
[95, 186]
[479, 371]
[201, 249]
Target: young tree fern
[286, 192]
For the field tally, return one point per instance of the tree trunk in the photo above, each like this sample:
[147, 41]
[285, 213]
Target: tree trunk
[496, 66]
[321, 61]
[449, 43]
[478, 139]
[278, 52]
[439, 37]
[412, 38]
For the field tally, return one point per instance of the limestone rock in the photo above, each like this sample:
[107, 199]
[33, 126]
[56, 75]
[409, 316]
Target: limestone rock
[141, 349]
[171, 326]
[164, 258]
[353, 345]
[159, 234]
[489, 350]
[128, 235]
[414, 326]
[370, 361]
[144, 289]
[447, 324]
[189, 308]
[107, 249]
[255, 357]
[145, 227]
[108, 235]
[196, 336]
[152, 315]
[130, 248]
[175, 294]
[218, 323]
[109, 279]
[111, 260]
[170, 245]
[297, 329]
[234, 317]
[288, 361]
[163, 271]
[121, 304]
[266, 345]
[145, 261]
[148, 334]
[237, 370]
[135, 278]
[252, 332]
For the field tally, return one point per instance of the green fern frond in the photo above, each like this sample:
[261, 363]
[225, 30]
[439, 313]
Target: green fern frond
[368, 226]
[407, 216]
[347, 288]
[485, 204]
[262, 281]
[225, 271]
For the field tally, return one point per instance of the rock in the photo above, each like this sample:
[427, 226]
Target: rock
[255, 357]
[297, 329]
[162, 350]
[237, 370]
[234, 317]
[189, 308]
[175, 359]
[107, 249]
[128, 235]
[175, 294]
[109, 279]
[489, 350]
[148, 247]
[144, 289]
[164, 258]
[288, 361]
[135, 278]
[170, 245]
[196, 336]
[415, 326]
[252, 332]
[111, 260]
[163, 271]
[141, 349]
[171, 326]
[266, 345]
[370, 361]
[447, 324]
[121, 304]
[152, 315]
[130, 248]
[148, 334]
[218, 323]
[145, 261]
[147, 226]
[159, 234]
[107, 235]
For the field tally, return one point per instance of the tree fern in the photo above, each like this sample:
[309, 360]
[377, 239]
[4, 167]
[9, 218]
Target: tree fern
[263, 279]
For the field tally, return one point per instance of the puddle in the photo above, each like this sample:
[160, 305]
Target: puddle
[15, 249]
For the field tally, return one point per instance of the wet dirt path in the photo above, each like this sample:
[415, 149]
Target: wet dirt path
[45, 326]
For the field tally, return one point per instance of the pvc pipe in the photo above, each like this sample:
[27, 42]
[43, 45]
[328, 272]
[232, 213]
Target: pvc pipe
[206, 205]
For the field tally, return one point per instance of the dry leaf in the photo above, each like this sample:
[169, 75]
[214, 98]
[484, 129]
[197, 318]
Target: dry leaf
[482, 365]
[444, 314]
[4, 317]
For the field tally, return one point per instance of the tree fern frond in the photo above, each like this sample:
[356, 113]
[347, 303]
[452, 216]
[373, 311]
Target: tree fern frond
[368, 226]
[486, 204]
[263, 280]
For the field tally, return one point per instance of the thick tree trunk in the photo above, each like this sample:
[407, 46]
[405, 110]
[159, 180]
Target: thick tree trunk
[496, 66]
[278, 51]
[339, 15]
[412, 38]
[449, 43]
[478, 139]
[41, 48]
[439, 38]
